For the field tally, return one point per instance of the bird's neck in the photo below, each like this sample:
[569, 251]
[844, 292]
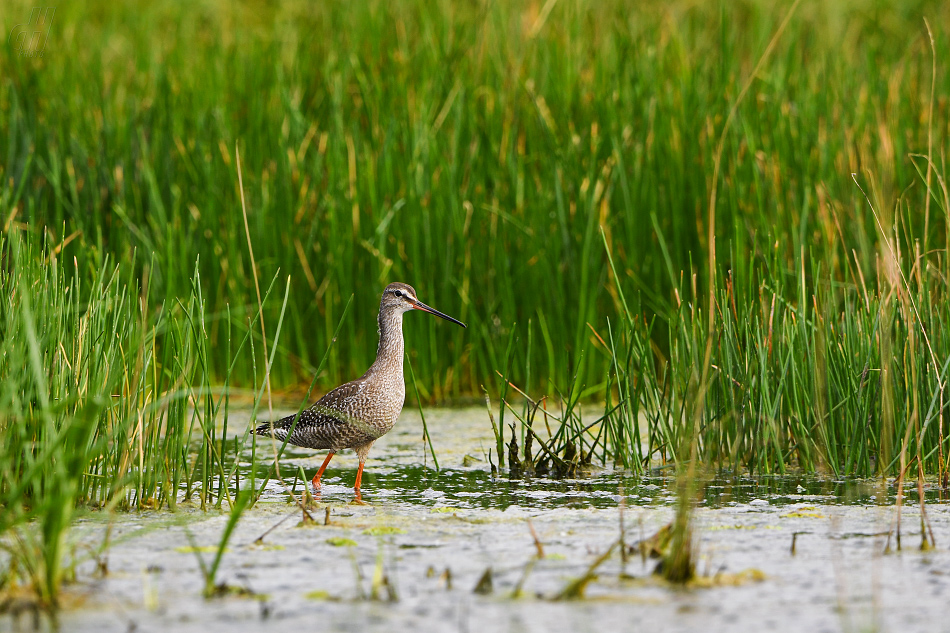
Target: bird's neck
[391, 348]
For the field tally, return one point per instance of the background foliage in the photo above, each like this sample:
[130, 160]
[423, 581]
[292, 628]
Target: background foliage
[473, 150]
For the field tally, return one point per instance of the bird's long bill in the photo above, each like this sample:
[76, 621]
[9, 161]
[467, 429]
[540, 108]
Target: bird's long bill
[418, 305]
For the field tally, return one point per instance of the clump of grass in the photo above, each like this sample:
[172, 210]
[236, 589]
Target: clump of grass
[806, 371]
[678, 564]
[103, 404]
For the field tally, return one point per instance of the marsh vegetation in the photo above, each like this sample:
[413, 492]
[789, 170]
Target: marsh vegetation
[724, 226]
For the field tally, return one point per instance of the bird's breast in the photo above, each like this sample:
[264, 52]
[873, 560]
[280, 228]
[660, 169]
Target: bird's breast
[384, 397]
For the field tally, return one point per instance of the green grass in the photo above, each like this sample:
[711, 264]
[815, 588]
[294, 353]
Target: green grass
[847, 381]
[104, 404]
[473, 151]
[541, 170]
[78, 412]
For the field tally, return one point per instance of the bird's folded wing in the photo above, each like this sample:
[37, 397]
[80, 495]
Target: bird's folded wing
[333, 409]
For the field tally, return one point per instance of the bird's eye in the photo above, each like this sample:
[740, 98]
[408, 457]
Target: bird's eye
[398, 293]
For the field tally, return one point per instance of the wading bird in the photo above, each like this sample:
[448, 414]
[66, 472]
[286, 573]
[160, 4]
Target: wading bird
[358, 413]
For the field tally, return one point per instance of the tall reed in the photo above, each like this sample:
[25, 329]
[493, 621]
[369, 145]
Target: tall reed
[472, 150]
[104, 403]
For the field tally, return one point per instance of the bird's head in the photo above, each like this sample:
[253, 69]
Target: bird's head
[401, 298]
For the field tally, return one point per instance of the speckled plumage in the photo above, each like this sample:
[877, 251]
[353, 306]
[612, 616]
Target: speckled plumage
[356, 414]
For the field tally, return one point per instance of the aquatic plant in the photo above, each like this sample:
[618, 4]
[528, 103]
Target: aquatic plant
[104, 404]
[720, 396]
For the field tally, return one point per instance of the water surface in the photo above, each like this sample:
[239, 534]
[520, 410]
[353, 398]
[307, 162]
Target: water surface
[433, 535]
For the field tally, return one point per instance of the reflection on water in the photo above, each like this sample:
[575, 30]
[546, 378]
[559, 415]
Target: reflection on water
[473, 489]
[395, 473]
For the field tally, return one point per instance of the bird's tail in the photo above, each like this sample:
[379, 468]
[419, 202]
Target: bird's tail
[277, 430]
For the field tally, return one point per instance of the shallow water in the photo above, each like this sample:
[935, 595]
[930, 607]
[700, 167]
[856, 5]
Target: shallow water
[435, 534]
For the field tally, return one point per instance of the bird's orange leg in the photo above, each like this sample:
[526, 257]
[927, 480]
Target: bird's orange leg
[316, 478]
[359, 478]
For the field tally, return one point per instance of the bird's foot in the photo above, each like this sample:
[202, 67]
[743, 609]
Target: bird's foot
[358, 499]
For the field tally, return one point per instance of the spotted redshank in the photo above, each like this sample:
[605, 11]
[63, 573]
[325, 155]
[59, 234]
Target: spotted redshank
[358, 413]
